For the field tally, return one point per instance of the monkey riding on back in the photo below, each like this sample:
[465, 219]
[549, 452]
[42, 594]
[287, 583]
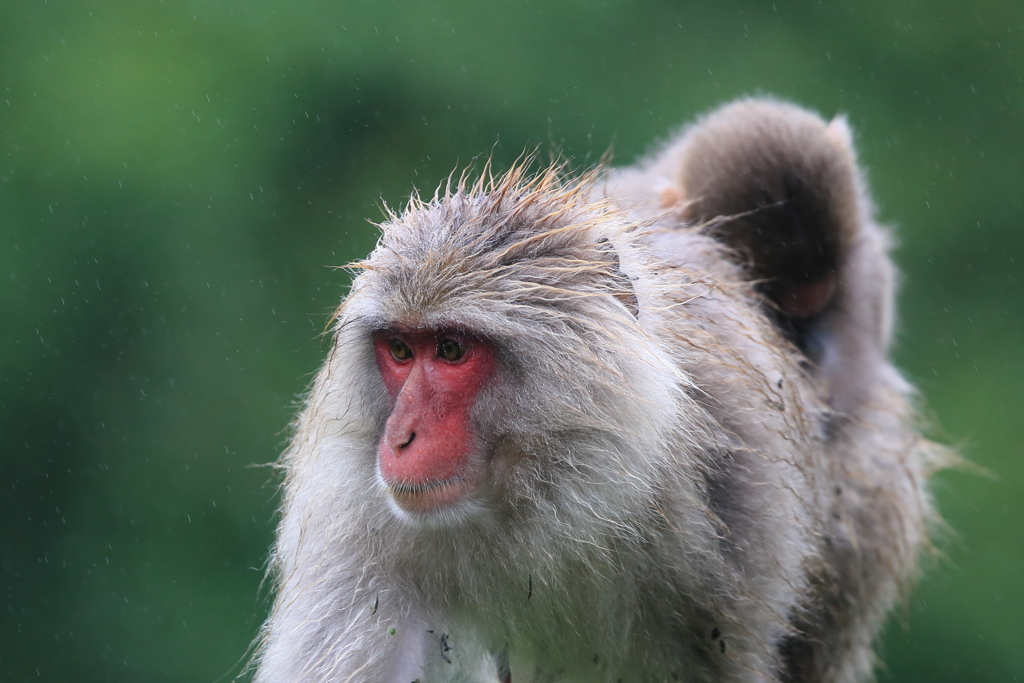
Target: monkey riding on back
[639, 425]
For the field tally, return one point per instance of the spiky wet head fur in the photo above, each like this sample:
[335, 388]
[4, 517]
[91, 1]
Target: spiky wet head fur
[499, 250]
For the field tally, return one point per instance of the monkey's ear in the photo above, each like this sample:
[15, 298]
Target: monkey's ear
[623, 287]
[781, 186]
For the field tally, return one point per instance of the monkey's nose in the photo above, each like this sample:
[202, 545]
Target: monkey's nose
[399, 439]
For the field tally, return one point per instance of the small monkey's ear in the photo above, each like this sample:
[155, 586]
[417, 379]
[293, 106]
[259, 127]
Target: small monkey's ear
[780, 186]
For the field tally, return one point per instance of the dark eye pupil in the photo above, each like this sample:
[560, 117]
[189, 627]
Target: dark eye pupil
[451, 350]
[399, 350]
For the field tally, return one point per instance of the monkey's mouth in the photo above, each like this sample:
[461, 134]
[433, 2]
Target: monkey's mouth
[429, 496]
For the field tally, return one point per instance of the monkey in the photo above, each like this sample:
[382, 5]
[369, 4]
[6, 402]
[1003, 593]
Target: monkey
[633, 424]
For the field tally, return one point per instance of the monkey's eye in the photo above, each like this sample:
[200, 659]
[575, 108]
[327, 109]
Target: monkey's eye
[450, 350]
[399, 349]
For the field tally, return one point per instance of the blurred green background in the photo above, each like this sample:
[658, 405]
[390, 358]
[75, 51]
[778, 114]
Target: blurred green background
[177, 178]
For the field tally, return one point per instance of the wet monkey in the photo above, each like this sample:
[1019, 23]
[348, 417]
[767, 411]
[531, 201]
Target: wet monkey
[639, 425]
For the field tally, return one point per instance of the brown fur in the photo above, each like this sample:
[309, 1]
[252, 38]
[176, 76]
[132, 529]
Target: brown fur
[702, 465]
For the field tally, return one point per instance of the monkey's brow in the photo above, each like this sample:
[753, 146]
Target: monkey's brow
[439, 330]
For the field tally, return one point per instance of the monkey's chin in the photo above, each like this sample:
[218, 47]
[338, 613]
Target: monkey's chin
[432, 501]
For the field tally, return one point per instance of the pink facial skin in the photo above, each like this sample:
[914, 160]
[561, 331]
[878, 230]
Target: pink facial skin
[429, 455]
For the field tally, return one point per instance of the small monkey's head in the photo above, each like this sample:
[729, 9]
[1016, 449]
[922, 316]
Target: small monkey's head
[501, 318]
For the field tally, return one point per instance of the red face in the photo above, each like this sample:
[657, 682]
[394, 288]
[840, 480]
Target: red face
[429, 455]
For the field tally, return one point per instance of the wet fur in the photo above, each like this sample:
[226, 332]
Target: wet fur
[688, 483]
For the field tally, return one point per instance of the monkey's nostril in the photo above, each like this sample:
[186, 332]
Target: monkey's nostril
[411, 437]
